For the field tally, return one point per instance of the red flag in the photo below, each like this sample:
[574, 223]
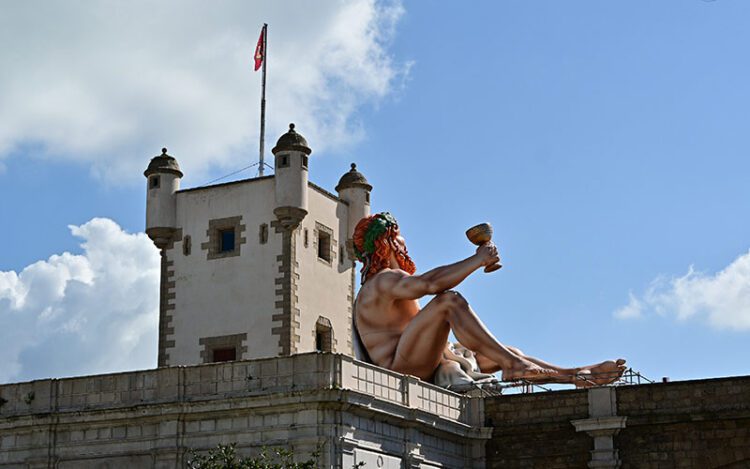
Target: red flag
[260, 49]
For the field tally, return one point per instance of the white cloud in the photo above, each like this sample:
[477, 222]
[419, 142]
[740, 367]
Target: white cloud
[634, 309]
[722, 299]
[82, 314]
[110, 83]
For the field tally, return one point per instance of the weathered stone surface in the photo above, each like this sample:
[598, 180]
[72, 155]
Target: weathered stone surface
[691, 424]
[357, 412]
[360, 412]
[534, 430]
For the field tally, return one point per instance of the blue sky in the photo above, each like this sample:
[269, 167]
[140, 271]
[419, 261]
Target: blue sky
[605, 141]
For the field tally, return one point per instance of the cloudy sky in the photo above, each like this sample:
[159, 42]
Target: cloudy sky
[606, 142]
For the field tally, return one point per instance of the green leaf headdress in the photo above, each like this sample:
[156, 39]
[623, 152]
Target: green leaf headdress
[379, 224]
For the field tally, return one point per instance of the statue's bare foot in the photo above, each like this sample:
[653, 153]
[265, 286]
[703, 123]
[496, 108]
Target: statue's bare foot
[525, 370]
[606, 372]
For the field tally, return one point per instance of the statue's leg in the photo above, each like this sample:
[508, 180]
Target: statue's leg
[420, 348]
[486, 365]
[601, 373]
[563, 375]
[421, 345]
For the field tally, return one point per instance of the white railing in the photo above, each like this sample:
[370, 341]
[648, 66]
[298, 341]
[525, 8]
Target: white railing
[405, 390]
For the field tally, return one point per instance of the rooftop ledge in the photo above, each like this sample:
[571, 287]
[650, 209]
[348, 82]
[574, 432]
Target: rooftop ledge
[316, 187]
[304, 377]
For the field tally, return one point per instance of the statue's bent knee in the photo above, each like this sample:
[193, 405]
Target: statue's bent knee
[452, 298]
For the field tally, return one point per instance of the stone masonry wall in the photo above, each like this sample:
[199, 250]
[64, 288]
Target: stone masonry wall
[684, 424]
[690, 424]
[534, 430]
[150, 418]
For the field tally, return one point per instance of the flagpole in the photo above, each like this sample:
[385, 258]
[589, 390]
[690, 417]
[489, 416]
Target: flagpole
[263, 100]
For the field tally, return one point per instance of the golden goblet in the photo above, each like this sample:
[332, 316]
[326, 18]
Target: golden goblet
[479, 235]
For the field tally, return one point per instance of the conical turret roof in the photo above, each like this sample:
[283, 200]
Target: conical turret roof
[353, 178]
[291, 141]
[163, 164]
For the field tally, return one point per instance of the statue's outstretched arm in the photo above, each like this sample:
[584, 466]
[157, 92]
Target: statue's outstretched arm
[400, 285]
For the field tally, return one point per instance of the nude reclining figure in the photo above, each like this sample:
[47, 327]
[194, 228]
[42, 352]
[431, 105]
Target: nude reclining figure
[399, 335]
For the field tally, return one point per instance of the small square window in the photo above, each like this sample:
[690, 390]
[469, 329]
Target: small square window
[153, 182]
[224, 354]
[282, 161]
[324, 246]
[222, 348]
[226, 240]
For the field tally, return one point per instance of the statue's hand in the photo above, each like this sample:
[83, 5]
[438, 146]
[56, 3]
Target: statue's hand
[488, 254]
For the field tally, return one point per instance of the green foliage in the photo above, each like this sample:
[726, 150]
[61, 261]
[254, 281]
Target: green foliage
[225, 457]
[378, 225]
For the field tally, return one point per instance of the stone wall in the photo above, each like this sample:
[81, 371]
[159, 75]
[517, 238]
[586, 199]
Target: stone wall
[700, 424]
[690, 424]
[360, 412]
[534, 430]
[148, 419]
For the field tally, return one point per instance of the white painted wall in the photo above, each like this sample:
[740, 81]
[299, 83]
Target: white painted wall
[160, 201]
[291, 181]
[323, 288]
[235, 295]
[359, 207]
[225, 296]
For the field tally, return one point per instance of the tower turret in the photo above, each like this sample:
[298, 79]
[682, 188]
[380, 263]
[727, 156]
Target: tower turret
[290, 164]
[163, 181]
[355, 190]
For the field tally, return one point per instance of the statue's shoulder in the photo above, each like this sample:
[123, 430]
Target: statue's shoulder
[389, 275]
[384, 280]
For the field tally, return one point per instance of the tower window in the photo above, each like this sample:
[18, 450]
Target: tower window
[367, 197]
[153, 182]
[224, 354]
[186, 245]
[223, 348]
[304, 161]
[263, 234]
[323, 335]
[282, 161]
[324, 246]
[341, 255]
[307, 237]
[226, 239]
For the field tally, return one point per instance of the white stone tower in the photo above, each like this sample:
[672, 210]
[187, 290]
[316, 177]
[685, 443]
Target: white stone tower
[290, 170]
[354, 189]
[163, 181]
[254, 268]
